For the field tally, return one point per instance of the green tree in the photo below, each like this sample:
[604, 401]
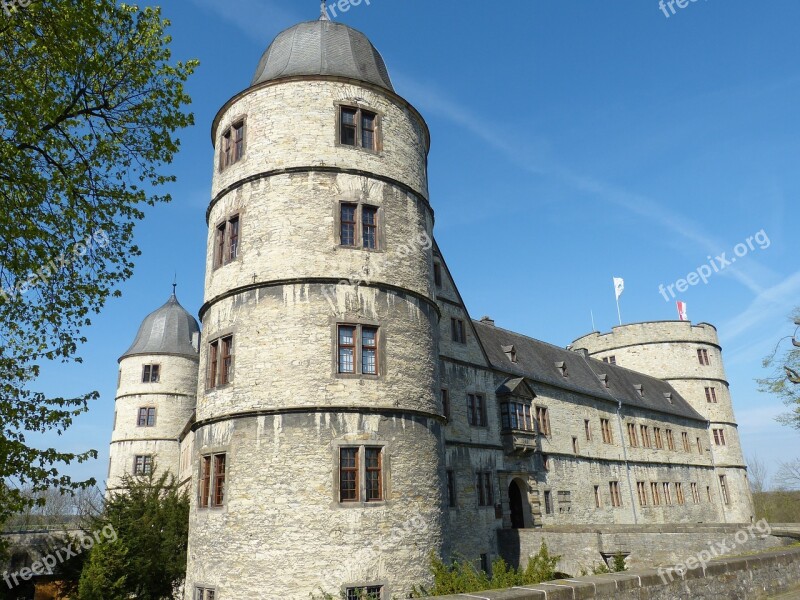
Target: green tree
[89, 112]
[784, 380]
[146, 556]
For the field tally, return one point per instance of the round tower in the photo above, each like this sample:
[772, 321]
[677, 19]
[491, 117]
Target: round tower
[688, 357]
[318, 439]
[156, 394]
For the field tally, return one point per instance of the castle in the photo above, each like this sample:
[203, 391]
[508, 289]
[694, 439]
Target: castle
[342, 417]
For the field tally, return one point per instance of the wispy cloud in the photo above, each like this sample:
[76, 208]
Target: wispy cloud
[776, 301]
[258, 19]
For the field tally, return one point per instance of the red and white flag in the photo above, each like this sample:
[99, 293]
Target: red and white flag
[682, 314]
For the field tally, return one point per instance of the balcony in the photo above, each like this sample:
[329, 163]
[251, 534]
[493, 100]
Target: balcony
[518, 442]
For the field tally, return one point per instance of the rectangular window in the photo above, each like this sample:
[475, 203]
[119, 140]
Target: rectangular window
[219, 480]
[202, 593]
[458, 332]
[597, 502]
[723, 485]
[605, 428]
[657, 436]
[667, 493]
[695, 493]
[632, 438]
[373, 474]
[226, 361]
[616, 498]
[349, 127]
[575, 447]
[686, 445]
[437, 274]
[548, 503]
[655, 493]
[485, 489]
[670, 440]
[205, 481]
[641, 489]
[679, 493]
[369, 227]
[368, 123]
[719, 437]
[226, 241]
[476, 410]
[358, 128]
[233, 238]
[347, 349]
[708, 491]
[238, 141]
[142, 465]
[446, 403]
[711, 395]
[357, 347]
[587, 429]
[348, 475]
[611, 360]
[347, 224]
[213, 364]
[543, 420]
[211, 489]
[451, 488]
[645, 431]
[514, 415]
[702, 356]
[369, 350]
[150, 373]
[232, 145]
[372, 592]
[219, 244]
[147, 417]
[699, 446]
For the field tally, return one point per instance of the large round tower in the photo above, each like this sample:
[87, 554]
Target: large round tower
[155, 394]
[319, 432]
[689, 357]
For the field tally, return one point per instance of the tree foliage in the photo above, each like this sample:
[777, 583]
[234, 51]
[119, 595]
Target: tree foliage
[147, 560]
[91, 102]
[784, 379]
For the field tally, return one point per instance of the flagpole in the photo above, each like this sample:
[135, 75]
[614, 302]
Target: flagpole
[591, 312]
[619, 314]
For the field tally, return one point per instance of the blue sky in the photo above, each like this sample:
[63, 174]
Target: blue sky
[573, 141]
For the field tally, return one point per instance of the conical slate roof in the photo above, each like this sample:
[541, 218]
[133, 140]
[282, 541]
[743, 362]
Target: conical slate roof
[168, 330]
[323, 48]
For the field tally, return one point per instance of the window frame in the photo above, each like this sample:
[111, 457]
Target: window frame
[606, 431]
[516, 412]
[149, 419]
[659, 441]
[644, 430]
[212, 492]
[202, 592]
[670, 439]
[725, 492]
[151, 373]
[359, 592]
[655, 493]
[437, 274]
[452, 500]
[641, 490]
[485, 489]
[711, 395]
[702, 356]
[147, 464]
[230, 151]
[225, 241]
[687, 446]
[477, 415]
[444, 396]
[215, 362]
[458, 330]
[359, 128]
[633, 437]
[719, 437]
[358, 350]
[359, 226]
[615, 494]
[542, 418]
[361, 472]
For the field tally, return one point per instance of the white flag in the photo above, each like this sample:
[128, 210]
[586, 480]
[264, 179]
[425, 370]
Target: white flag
[619, 286]
[683, 315]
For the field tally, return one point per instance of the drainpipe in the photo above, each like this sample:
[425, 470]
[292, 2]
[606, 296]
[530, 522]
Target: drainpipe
[716, 475]
[627, 465]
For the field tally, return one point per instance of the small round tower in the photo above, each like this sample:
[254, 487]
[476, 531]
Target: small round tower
[156, 394]
[319, 430]
[688, 357]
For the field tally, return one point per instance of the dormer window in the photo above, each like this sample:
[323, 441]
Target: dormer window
[511, 353]
[668, 396]
[562, 368]
[358, 128]
[639, 388]
[611, 360]
[603, 379]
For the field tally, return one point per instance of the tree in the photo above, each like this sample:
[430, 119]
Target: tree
[147, 558]
[788, 476]
[784, 380]
[89, 112]
[757, 474]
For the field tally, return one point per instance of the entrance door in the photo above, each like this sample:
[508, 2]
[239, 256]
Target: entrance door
[516, 505]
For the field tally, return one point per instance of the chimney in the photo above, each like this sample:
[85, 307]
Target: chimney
[488, 321]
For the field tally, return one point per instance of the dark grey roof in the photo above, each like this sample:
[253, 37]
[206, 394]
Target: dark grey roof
[323, 48]
[168, 330]
[537, 361]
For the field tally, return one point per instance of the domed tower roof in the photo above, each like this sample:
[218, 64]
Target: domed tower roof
[323, 48]
[168, 330]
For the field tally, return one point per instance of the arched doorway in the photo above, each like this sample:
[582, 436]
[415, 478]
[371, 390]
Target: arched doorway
[517, 504]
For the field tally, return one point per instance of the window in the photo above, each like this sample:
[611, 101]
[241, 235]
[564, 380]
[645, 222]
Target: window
[147, 417]
[451, 488]
[723, 486]
[640, 389]
[543, 420]
[711, 395]
[605, 427]
[545, 462]
[616, 498]
[702, 356]
[437, 274]
[202, 593]
[695, 493]
[459, 334]
[371, 592]
[358, 128]
[699, 446]
[150, 373]
[597, 502]
[369, 227]
[685, 438]
[548, 502]
[347, 224]
[611, 360]
[632, 438]
[655, 493]
[679, 493]
[446, 403]
[587, 429]
[485, 563]
[142, 464]
[575, 447]
[641, 489]
[670, 440]
[355, 461]
[226, 242]
[667, 493]
[358, 226]
[562, 368]
[719, 437]
[485, 489]
[232, 149]
[708, 491]
[476, 410]
[515, 415]
[212, 480]
[657, 436]
[357, 349]
[645, 431]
